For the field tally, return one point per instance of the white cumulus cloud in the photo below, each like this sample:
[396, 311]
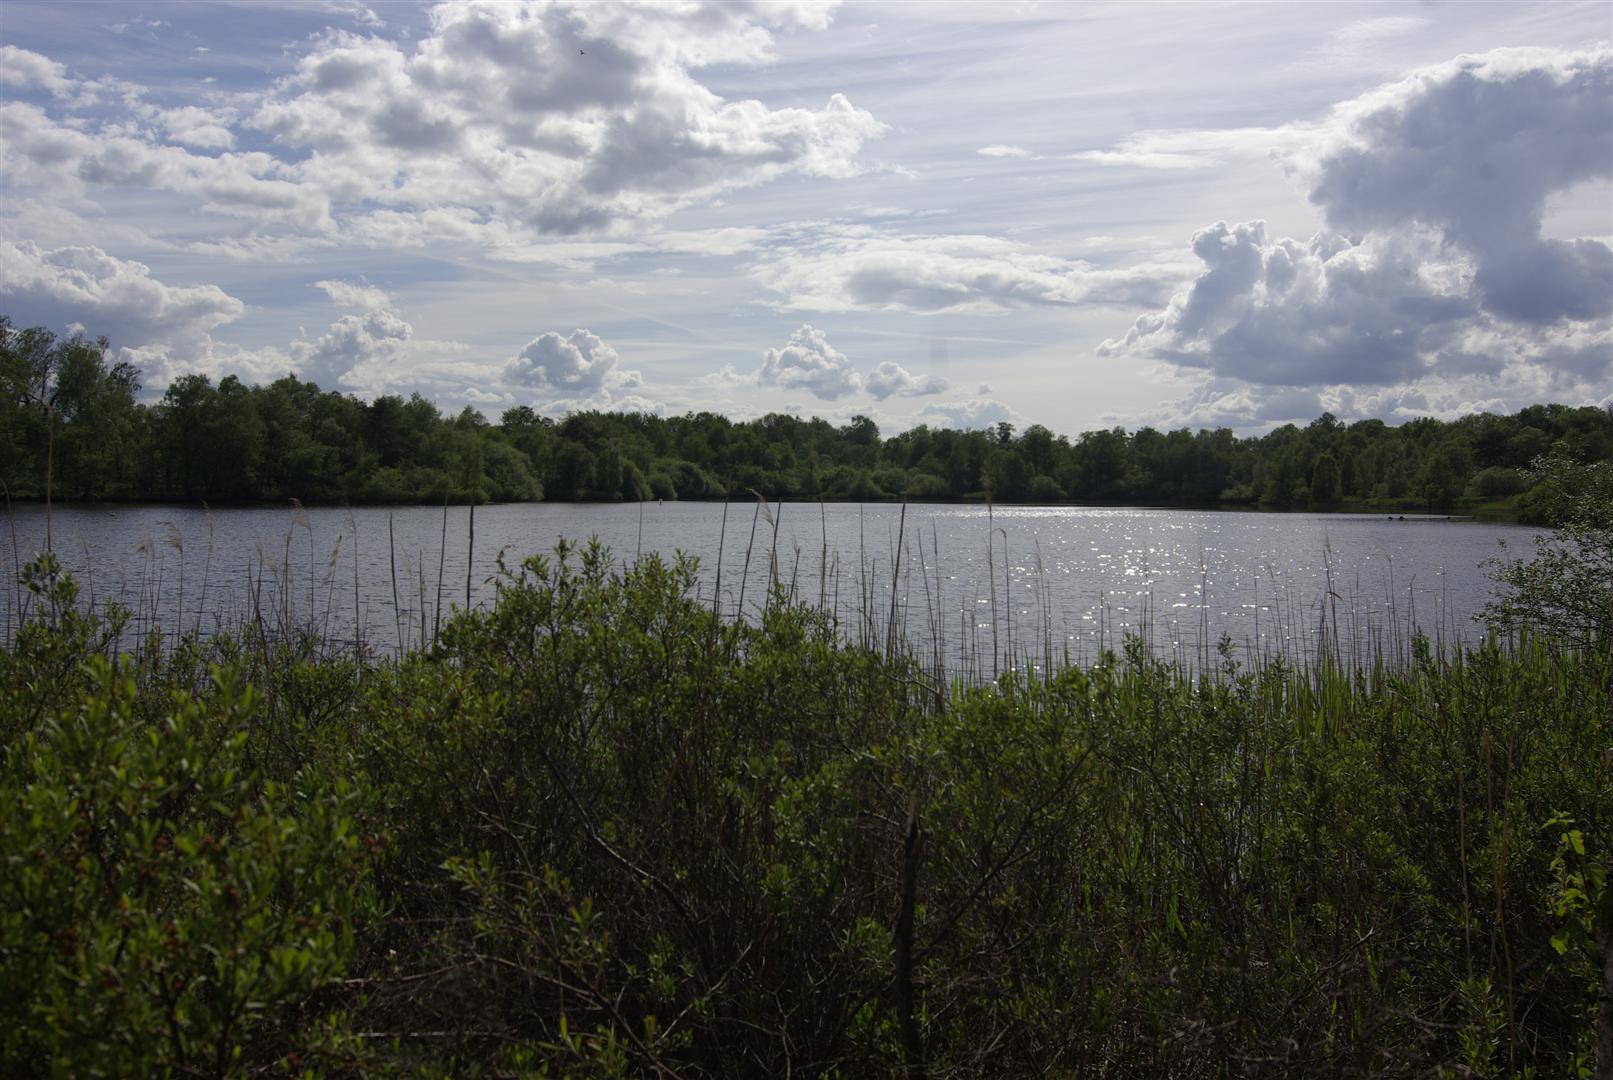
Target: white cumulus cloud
[970, 414]
[24, 69]
[350, 294]
[196, 127]
[583, 369]
[115, 298]
[582, 362]
[501, 124]
[373, 349]
[164, 330]
[1433, 283]
[374, 339]
[559, 118]
[1474, 148]
[54, 158]
[891, 378]
[809, 362]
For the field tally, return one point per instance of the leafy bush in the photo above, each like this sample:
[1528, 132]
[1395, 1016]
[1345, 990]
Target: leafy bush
[922, 487]
[1497, 482]
[1044, 489]
[164, 911]
[509, 474]
[1566, 590]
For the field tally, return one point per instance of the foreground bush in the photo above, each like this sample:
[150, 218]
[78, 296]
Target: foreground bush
[164, 910]
[601, 831]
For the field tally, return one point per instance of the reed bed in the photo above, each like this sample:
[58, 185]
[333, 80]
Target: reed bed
[311, 587]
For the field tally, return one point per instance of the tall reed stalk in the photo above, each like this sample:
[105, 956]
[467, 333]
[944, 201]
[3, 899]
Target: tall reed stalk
[744, 576]
[176, 540]
[50, 455]
[13, 596]
[358, 616]
[442, 556]
[722, 540]
[392, 555]
[772, 555]
[207, 566]
[823, 555]
[991, 575]
[470, 550]
[896, 571]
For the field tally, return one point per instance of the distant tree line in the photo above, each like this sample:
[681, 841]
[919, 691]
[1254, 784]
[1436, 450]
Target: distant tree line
[72, 423]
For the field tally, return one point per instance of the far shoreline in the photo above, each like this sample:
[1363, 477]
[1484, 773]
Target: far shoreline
[1490, 512]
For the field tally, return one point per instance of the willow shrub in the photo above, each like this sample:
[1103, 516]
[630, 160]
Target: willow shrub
[164, 909]
[608, 832]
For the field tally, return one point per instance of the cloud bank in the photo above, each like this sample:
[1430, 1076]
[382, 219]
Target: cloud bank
[1433, 279]
[115, 298]
[506, 120]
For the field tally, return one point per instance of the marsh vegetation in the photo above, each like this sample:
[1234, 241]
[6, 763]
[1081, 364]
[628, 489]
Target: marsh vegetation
[597, 828]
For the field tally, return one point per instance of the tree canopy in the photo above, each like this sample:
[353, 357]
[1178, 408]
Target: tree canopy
[71, 420]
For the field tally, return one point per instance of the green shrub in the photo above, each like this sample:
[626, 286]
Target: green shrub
[1043, 489]
[163, 911]
[1566, 590]
[1497, 483]
[924, 487]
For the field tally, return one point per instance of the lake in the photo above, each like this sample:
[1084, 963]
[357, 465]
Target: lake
[1057, 581]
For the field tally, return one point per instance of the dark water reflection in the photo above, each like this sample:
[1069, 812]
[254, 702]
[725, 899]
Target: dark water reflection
[1058, 580]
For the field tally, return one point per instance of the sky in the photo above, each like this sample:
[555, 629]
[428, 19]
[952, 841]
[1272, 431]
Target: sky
[1079, 215]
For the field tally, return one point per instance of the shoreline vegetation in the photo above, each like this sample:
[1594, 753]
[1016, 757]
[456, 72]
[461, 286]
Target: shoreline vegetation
[72, 430]
[599, 828]
[602, 826]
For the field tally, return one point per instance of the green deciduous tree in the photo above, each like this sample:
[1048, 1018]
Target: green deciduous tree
[1566, 589]
[1325, 486]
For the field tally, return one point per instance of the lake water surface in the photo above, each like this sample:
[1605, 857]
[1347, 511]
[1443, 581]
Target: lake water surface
[1057, 581]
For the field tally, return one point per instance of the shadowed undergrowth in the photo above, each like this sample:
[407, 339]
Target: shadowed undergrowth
[598, 830]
